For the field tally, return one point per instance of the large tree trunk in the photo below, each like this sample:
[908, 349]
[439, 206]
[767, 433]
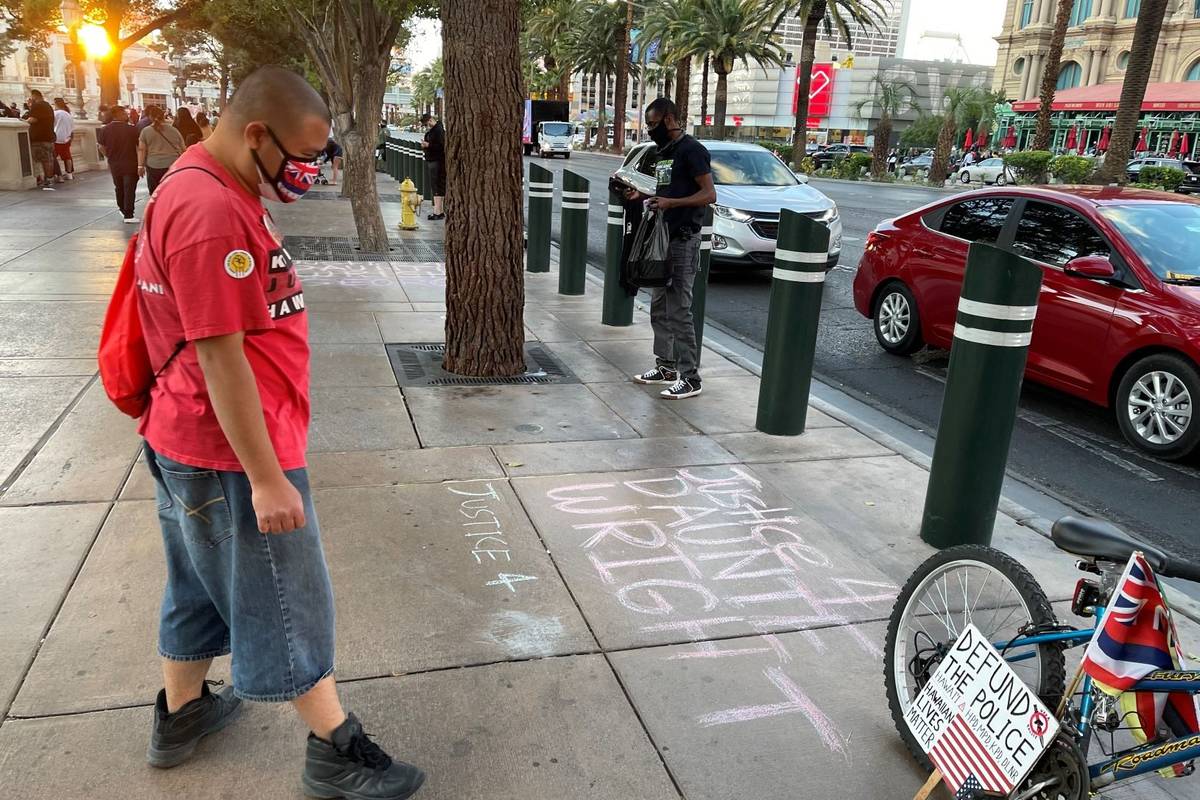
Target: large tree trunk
[683, 80]
[883, 135]
[621, 95]
[723, 66]
[1041, 136]
[704, 92]
[110, 68]
[939, 170]
[224, 86]
[485, 287]
[808, 55]
[1133, 92]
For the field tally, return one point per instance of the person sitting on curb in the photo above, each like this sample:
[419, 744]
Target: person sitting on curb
[225, 438]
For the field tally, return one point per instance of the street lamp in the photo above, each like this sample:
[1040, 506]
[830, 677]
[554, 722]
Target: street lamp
[180, 79]
[73, 18]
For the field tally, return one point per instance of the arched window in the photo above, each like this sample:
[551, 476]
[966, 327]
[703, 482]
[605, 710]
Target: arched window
[39, 64]
[1069, 76]
[1123, 60]
[1019, 66]
[1079, 12]
[1193, 73]
[1026, 12]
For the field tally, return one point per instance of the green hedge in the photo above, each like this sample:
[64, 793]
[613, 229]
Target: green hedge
[852, 166]
[784, 151]
[1030, 166]
[1071, 169]
[1165, 178]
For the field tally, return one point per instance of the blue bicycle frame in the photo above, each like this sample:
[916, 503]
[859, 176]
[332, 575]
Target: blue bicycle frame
[1137, 760]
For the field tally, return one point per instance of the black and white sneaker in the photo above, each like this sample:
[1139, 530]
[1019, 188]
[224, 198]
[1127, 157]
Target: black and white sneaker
[681, 389]
[657, 375]
[174, 737]
[354, 767]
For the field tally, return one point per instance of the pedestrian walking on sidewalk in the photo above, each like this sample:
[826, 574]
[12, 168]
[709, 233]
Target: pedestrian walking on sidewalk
[41, 137]
[435, 157]
[226, 432]
[118, 141]
[204, 126]
[685, 186]
[64, 129]
[158, 146]
[187, 126]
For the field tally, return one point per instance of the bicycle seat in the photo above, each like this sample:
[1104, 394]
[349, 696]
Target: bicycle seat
[1094, 538]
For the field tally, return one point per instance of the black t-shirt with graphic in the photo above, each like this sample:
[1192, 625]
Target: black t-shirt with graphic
[680, 163]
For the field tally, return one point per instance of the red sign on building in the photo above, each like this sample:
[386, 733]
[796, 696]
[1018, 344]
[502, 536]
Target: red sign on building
[820, 91]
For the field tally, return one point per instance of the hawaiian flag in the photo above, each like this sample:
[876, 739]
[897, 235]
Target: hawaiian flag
[1137, 637]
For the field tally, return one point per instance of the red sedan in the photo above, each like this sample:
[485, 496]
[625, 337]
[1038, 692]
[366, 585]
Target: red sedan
[1118, 321]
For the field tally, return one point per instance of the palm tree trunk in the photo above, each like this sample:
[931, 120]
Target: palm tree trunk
[683, 79]
[704, 93]
[601, 115]
[621, 95]
[721, 101]
[1133, 92]
[551, 66]
[808, 54]
[939, 170]
[667, 84]
[1041, 136]
[883, 135]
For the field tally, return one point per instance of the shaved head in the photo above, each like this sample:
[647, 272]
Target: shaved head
[279, 97]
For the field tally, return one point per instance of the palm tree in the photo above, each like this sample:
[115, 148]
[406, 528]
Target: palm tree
[956, 102]
[425, 85]
[591, 45]
[1133, 92]
[891, 99]
[986, 117]
[666, 21]
[834, 14]
[704, 92]
[620, 95]
[547, 30]
[1041, 136]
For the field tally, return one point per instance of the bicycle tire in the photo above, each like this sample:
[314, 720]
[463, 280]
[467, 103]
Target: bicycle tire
[1052, 671]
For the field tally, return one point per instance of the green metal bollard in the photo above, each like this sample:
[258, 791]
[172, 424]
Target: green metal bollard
[391, 158]
[700, 288]
[983, 386]
[427, 179]
[408, 160]
[801, 254]
[419, 173]
[618, 306]
[572, 251]
[541, 200]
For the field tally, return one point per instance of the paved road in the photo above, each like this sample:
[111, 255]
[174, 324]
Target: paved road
[1064, 446]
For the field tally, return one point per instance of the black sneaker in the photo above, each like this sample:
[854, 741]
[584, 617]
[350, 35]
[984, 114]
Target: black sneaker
[354, 767]
[175, 736]
[681, 389]
[658, 375]
[436, 216]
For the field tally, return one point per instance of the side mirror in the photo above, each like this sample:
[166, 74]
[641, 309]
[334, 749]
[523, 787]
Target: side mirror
[1094, 267]
[800, 176]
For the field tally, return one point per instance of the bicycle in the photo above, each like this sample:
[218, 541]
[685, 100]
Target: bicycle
[999, 596]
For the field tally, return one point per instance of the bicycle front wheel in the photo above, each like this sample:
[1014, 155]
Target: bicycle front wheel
[959, 586]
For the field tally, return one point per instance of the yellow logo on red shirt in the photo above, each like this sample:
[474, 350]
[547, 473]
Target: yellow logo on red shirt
[239, 264]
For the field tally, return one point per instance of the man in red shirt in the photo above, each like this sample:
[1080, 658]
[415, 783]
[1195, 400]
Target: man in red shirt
[226, 432]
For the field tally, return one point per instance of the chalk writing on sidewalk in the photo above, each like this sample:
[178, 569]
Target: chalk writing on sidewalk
[345, 273]
[701, 555]
[485, 533]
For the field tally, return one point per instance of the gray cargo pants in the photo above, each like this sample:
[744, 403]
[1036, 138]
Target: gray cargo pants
[671, 310]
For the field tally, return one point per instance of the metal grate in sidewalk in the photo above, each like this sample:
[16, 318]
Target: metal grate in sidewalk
[420, 364]
[344, 248]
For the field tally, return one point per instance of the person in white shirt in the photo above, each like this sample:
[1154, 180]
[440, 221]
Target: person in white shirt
[64, 127]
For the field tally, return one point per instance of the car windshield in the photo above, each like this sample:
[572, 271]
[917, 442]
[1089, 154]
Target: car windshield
[749, 168]
[556, 128]
[1165, 235]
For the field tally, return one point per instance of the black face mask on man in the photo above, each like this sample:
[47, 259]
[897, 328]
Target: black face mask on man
[660, 134]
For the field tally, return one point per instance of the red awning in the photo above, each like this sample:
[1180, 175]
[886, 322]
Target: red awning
[1107, 96]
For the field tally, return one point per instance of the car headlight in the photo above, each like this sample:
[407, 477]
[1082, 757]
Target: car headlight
[735, 214]
[829, 215]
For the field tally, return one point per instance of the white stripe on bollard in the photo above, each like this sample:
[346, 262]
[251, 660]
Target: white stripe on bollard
[705, 244]
[615, 209]
[576, 195]
[569, 204]
[706, 230]
[799, 276]
[540, 185]
[994, 338]
[993, 311]
[535, 193]
[800, 257]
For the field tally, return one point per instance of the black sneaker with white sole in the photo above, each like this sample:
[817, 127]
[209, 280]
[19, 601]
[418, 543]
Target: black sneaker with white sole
[681, 389]
[175, 736]
[354, 767]
[657, 375]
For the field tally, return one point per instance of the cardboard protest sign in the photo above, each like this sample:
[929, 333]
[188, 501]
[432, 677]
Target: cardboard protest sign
[977, 721]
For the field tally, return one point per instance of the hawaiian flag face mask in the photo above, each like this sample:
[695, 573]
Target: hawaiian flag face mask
[295, 176]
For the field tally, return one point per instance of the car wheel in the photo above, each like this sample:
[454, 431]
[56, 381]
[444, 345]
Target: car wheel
[965, 177]
[1001, 180]
[567, 156]
[896, 321]
[1155, 406]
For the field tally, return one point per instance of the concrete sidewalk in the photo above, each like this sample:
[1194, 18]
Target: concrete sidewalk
[543, 591]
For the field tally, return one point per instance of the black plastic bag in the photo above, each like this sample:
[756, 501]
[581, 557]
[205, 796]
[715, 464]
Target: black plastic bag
[650, 264]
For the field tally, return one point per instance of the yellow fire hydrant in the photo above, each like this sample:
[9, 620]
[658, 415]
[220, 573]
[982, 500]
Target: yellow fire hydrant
[410, 201]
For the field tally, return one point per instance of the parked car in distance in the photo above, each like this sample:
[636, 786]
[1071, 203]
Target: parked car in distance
[835, 152]
[1191, 178]
[812, 148]
[916, 164]
[1138, 164]
[1118, 319]
[752, 184]
[989, 170]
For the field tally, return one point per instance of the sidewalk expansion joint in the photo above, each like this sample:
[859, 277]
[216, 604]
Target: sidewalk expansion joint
[24, 463]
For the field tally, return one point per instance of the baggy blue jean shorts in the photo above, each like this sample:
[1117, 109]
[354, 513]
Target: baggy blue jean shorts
[264, 597]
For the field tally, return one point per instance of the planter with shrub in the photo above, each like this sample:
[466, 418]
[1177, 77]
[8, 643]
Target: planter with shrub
[1030, 166]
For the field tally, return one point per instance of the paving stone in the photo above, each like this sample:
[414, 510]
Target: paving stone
[7, 256]
[635, 357]
[730, 405]
[350, 365]
[359, 294]
[425, 326]
[461, 415]
[86, 283]
[424, 290]
[391, 467]
[626, 454]
[38, 261]
[86, 458]
[815, 444]
[469, 729]
[345, 327]
[427, 306]
[28, 407]
[359, 419]
[324, 306]
[648, 414]
[587, 325]
[346, 274]
[588, 365]
[139, 485]
[674, 555]
[40, 550]
[46, 367]
[49, 327]
[794, 715]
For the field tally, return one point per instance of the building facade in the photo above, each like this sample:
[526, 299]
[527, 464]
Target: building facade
[883, 42]
[1097, 44]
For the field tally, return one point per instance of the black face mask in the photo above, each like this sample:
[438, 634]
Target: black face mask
[660, 134]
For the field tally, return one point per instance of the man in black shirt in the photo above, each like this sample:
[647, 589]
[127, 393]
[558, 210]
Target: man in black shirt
[685, 186]
[435, 156]
[41, 137]
[119, 141]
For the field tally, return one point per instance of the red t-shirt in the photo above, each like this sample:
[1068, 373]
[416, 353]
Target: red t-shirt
[209, 263]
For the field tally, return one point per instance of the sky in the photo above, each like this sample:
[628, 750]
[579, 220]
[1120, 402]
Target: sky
[976, 28]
